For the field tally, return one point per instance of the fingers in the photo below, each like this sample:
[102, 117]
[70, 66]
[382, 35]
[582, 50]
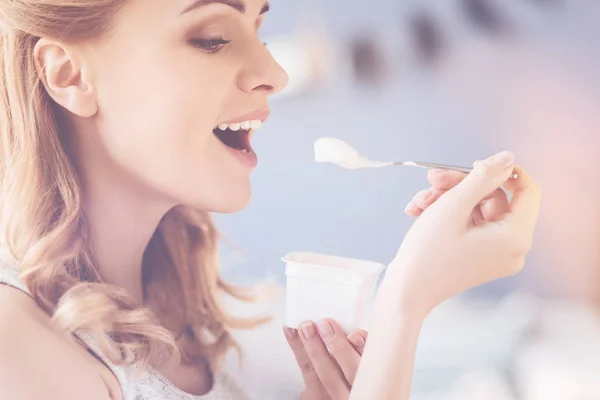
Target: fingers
[340, 348]
[412, 210]
[443, 179]
[525, 203]
[491, 208]
[302, 358]
[329, 372]
[495, 206]
[359, 340]
[422, 201]
[328, 358]
[486, 177]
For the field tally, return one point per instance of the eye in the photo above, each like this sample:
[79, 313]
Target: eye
[210, 45]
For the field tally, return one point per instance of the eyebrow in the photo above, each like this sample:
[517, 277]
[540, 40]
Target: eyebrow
[238, 5]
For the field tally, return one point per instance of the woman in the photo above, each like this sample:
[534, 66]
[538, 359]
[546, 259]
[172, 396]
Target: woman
[123, 125]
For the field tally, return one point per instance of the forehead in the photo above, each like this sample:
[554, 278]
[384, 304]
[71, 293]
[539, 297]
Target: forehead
[243, 6]
[176, 8]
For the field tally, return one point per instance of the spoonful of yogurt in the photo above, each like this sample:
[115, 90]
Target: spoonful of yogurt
[338, 152]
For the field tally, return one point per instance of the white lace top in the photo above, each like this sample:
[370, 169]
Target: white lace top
[151, 385]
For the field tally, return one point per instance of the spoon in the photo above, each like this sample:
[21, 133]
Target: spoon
[338, 152]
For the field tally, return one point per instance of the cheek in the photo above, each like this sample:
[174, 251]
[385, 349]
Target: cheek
[156, 122]
[164, 105]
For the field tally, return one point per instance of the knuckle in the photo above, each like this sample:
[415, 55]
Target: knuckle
[421, 193]
[296, 345]
[318, 355]
[479, 166]
[337, 346]
[421, 198]
[432, 176]
[314, 350]
[307, 368]
[482, 168]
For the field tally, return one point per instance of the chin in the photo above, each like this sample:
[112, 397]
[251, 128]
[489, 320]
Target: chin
[219, 196]
[233, 206]
[231, 203]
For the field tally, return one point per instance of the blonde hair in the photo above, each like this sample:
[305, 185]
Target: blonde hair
[44, 227]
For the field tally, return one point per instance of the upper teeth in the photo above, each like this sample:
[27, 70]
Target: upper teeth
[246, 125]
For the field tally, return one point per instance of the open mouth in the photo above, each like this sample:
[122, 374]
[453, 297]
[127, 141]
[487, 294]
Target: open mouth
[237, 136]
[238, 140]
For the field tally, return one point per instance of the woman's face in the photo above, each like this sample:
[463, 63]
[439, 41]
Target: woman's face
[164, 79]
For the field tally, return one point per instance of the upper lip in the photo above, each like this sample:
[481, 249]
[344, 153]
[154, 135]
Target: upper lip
[261, 115]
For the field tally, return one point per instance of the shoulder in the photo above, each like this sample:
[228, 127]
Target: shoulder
[30, 348]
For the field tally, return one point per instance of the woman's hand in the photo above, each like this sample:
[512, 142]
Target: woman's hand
[327, 357]
[490, 209]
[468, 233]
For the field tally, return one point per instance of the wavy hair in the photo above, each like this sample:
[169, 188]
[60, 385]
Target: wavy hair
[44, 228]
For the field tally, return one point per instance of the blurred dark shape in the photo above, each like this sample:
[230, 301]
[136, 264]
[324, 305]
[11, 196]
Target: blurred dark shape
[486, 16]
[546, 2]
[428, 39]
[367, 60]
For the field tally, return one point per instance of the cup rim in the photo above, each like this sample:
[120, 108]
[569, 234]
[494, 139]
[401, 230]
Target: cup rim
[332, 269]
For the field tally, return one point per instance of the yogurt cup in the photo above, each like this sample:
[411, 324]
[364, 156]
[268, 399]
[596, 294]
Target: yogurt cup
[323, 286]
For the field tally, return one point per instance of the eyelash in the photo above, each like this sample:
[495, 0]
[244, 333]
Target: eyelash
[210, 45]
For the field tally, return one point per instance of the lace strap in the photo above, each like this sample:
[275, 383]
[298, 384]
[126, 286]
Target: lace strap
[9, 273]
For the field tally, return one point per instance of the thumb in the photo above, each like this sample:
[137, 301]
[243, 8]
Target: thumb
[487, 176]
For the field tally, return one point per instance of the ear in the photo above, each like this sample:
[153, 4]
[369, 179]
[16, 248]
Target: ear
[63, 76]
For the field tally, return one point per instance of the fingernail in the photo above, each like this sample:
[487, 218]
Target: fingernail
[289, 332]
[325, 329]
[506, 158]
[308, 330]
[356, 339]
[409, 206]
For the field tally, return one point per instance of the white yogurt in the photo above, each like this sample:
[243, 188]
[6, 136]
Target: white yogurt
[336, 151]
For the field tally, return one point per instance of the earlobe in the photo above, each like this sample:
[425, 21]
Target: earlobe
[62, 74]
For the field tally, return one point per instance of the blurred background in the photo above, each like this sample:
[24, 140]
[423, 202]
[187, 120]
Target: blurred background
[447, 81]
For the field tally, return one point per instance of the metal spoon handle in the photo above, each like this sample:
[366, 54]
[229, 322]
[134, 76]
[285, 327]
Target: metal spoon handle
[466, 170]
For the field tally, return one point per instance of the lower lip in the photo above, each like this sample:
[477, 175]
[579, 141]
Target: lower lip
[249, 159]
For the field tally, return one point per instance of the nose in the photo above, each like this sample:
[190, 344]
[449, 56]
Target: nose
[262, 72]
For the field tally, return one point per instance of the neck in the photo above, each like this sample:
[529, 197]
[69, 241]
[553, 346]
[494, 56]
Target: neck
[121, 222]
[122, 213]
